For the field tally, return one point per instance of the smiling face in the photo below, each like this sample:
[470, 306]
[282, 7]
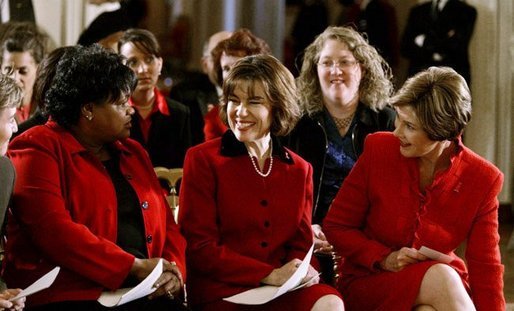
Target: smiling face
[24, 67]
[8, 126]
[414, 141]
[249, 113]
[339, 74]
[147, 67]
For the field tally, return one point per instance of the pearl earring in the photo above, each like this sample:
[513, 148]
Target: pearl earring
[89, 117]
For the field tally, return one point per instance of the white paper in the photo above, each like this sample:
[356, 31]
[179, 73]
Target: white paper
[435, 255]
[44, 282]
[264, 294]
[124, 295]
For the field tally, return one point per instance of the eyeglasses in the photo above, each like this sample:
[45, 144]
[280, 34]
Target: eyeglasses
[342, 64]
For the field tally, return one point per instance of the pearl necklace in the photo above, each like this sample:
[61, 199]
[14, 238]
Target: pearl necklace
[270, 163]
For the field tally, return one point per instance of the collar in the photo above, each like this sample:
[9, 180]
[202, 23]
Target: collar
[70, 143]
[160, 103]
[231, 147]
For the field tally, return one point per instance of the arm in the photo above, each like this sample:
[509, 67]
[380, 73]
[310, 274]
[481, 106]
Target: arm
[483, 254]
[198, 217]
[347, 215]
[59, 238]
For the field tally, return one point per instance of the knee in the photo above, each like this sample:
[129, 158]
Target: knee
[329, 302]
[445, 275]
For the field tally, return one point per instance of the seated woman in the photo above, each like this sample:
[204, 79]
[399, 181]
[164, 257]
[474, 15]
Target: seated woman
[420, 186]
[160, 124]
[11, 96]
[87, 198]
[245, 201]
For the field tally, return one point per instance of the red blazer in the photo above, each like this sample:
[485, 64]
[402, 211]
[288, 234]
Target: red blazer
[64, 214]
[380, 209]
[239, 225]
[213, 125]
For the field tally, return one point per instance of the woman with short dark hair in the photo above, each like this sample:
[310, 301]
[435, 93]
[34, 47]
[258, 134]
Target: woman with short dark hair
[87, 198]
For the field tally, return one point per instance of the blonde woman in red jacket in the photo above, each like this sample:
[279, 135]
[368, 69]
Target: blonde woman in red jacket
[420, 186]
[246, 201]
[86, 197]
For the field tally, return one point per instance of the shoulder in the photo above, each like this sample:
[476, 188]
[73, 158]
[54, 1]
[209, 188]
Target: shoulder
[41, 135]
[210, 147]
[478, 167]
[381, 142]
[6, 167]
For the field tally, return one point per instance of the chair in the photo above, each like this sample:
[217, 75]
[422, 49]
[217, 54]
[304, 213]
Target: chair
[171, 176]
[330, 267]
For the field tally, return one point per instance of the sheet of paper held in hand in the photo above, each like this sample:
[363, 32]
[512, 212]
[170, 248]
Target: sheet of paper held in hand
[124, 295]
[435, 255]
[263, 294]
[44, 282]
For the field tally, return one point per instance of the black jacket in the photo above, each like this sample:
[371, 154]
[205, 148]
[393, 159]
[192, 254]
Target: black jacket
[309, 140]
[169, 137]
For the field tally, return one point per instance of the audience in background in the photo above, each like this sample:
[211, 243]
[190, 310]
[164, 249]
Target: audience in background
[86, 197]
[107, 27]
[438, 33]
[44, 76]
[242, 43]
[344, 85]
[160, 124]
[245, 203]
[23, 48]
[11, 96]
[197, 90]
[420, 187]
[376, 21]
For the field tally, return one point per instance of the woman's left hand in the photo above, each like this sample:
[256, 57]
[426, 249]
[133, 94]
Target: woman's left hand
[17, 304]
[170, 283]
[398, 260]
[312, 277]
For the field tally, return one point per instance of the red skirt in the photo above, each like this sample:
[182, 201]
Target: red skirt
[298, 300]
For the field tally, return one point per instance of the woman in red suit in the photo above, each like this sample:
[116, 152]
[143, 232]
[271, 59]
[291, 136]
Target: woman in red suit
[420, 186]
[245, 201]
[86, 197]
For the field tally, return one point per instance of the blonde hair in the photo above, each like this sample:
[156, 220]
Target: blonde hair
[376, 85]
[441, 101]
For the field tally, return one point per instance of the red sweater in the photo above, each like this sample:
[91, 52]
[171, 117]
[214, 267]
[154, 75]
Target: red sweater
[379, 209]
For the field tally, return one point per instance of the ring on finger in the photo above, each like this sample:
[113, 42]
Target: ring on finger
[170, 295]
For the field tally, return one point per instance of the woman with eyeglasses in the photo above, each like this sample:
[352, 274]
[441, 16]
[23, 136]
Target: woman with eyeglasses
[344, 85]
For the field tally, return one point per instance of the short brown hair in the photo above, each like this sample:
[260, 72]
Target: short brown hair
[142, 39]
[10, 93]
[279, 86]
[441, 100]
[241, 43]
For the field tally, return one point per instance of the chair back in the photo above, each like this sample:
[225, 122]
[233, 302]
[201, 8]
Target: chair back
[171, 176]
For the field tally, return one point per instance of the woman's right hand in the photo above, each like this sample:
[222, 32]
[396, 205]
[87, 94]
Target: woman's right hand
[279, 276]
[5, 304]
[321, 244]
[401, 258]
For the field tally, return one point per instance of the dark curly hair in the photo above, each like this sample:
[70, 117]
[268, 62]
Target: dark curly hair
[86, 75]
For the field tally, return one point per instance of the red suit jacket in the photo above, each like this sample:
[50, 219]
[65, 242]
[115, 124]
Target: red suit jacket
[239, 225]
[380, 209]
[64, 213]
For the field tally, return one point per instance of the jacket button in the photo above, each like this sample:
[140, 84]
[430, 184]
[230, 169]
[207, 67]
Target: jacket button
[266, 224]
[264, 244]
[264, 203]
[149, 239]
[144, 205]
